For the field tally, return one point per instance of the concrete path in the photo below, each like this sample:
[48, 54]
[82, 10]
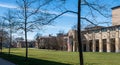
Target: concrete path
[5, 62]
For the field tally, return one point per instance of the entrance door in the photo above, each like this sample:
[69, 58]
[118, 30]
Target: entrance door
[97, 45]
[104, 45]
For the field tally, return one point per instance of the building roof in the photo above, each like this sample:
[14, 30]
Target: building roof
[94, 27]
[116, 7]
[101, 28]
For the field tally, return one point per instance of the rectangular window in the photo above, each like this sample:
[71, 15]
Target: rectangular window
[104, 29]
[97, 31]
[119, 28]
[112, 29]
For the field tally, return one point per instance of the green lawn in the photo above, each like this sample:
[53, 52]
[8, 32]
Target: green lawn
[51, 57]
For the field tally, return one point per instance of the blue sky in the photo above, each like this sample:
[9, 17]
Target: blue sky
[65, 22]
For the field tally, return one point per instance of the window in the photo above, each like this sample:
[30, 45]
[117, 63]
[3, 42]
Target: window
[112, 29]
[104, 29]
[119, 28]
[97, 31]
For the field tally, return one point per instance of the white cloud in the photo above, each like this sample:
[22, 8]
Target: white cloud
[57, 27]
[7, 5]
[70, 15]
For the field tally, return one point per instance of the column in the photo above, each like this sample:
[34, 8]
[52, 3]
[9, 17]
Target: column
[36, 44]
[74, 46]
[108, 42]
[93, 41]
[40, 40]
[87, 46]
[77, 46]
[74, 41]
[87, 43]
[17, 44]
[82, 45]
[100, 43]
[68, 44]
[117, 47]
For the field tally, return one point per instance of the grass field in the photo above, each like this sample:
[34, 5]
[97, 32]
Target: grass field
[51, 57]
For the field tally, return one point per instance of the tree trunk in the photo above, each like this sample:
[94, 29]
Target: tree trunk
[26, 44]
[10, 38]
[1, 40]
[25, 13]
[79, 34]
[1, 44]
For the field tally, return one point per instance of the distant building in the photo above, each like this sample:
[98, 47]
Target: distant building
[116, 15]
[52, 42]
[22, 44]
[94, 39]
[99, 39]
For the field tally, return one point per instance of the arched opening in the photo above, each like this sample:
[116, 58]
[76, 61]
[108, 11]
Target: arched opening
[90, 45]
[104, 45]
[97, 45]
[112, 40]
[84, 47]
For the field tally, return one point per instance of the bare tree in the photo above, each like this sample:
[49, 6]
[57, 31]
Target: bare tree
[32, 15]
[3, 33]
[37, 35]
[1, 36]
[93, 7]
[4, 36]
[10, 20]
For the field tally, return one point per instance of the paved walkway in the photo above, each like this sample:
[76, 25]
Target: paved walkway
[5, 62]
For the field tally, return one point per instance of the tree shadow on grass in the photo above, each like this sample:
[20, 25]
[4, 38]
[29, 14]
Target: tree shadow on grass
[20, 60]
[92, 64]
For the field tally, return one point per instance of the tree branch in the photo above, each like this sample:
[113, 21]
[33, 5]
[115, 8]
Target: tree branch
[68, 11]
[88, 20]
[90, 5]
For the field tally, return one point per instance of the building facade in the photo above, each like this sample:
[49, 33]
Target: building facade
[99, 39]
[95, 39]
[58, 42]
[105, 39]
[22, 44]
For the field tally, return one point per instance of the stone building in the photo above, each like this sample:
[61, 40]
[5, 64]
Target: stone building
[99, 39]
[52, 42]
[45, 42]
[116, 15]
[22, 44]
